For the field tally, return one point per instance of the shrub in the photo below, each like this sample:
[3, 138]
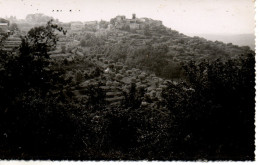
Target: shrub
[213, 114]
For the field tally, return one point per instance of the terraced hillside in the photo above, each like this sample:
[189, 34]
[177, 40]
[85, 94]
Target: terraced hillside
[159, 50]
[115, 80]
[147, 60]
[12, 43]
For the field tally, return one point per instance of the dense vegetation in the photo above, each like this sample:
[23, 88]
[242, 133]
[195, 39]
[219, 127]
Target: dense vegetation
[209, 114]
[163, 52]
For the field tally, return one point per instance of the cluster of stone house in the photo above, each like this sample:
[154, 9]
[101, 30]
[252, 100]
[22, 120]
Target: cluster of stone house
[121, 22]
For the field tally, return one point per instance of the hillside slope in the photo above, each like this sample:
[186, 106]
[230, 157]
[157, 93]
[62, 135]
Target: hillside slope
[153, 47]
[236, 39]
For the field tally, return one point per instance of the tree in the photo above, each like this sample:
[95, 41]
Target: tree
[172, 71]
[213, 112]
[14, 27]
[133, 99]
[103, 24]
[30, 67]
[147, 30]
[112, 21]
[31, 91]
[40, 40]
[3, 38]
[83, 42]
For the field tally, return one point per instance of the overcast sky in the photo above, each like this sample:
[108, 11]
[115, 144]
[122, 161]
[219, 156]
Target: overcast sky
[186, 16]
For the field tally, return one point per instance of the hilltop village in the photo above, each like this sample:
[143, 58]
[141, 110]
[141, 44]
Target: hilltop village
[119, 22]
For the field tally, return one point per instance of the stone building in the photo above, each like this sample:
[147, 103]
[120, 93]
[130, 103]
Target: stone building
[121, 22]
[4, 25]
[134, 26]
[120, 17]
[119, 25]
[133, 16]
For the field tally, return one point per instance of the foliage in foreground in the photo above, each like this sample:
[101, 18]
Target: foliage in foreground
[211, 113]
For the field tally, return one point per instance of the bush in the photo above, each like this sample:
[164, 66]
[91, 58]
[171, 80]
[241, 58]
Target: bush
[129, 134]
[213, 114]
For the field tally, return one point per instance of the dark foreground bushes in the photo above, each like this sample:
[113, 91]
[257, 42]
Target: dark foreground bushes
[130, 134]
[211, 117]
[213, 113]
[34, 127]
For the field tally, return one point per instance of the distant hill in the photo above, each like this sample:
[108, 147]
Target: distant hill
[236, 39]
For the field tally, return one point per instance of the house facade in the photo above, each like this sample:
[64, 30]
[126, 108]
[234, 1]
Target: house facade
[4, 26]
[134, 26]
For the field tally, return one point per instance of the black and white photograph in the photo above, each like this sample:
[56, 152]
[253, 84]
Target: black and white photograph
[128, 80]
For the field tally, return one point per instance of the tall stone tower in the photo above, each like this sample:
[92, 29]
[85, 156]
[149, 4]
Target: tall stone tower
[133, 16]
